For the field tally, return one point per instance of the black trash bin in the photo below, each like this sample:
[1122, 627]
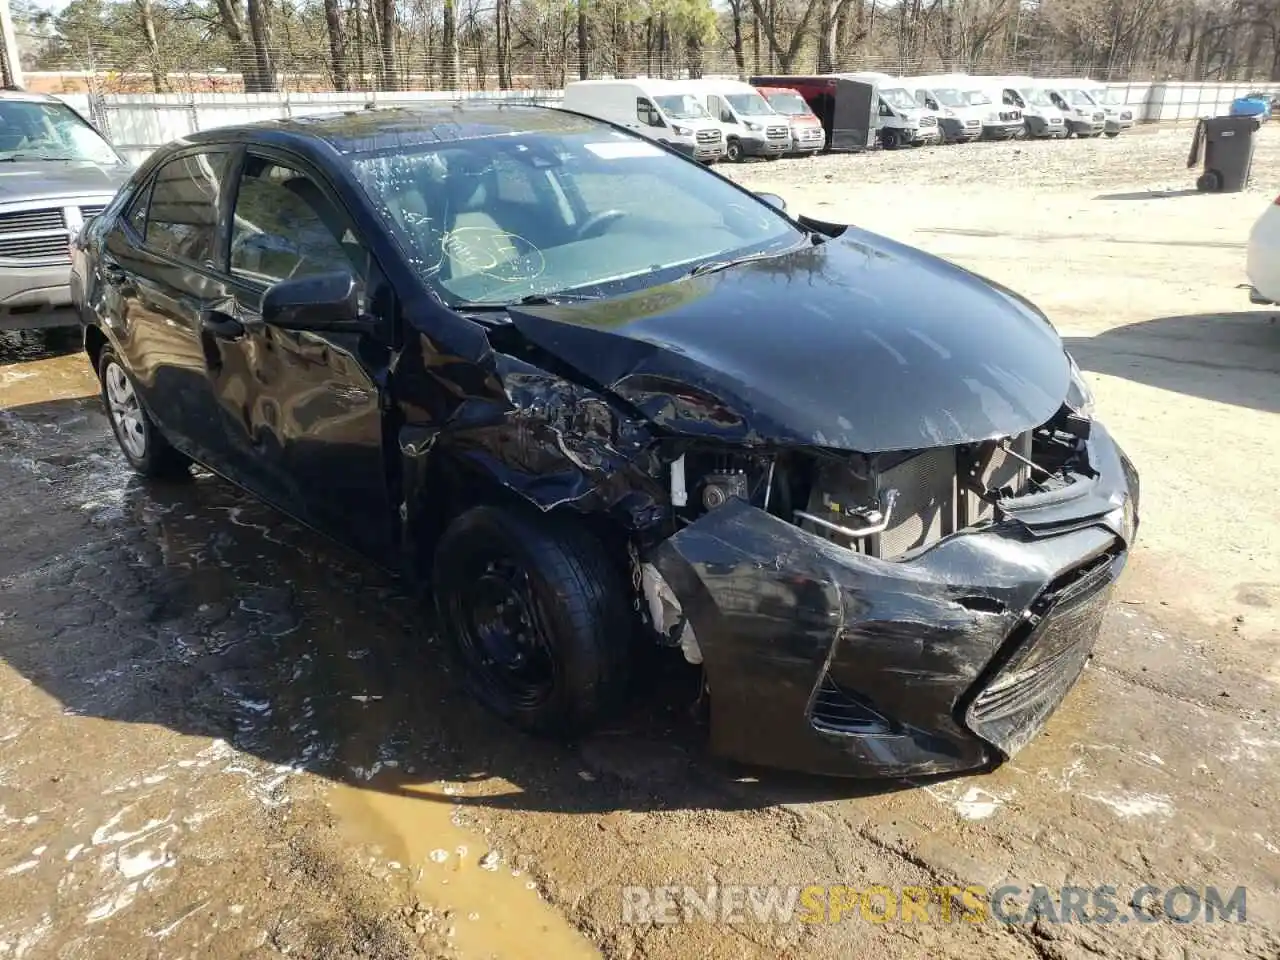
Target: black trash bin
[1227, 145]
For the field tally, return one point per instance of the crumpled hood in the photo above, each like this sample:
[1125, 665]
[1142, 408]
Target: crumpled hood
[58, 179]
[859, 343]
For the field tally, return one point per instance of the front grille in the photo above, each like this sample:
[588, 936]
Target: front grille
[1099, 116]
[92, 211]
[1126, 115]
[777, 133]
[708, 136]
[45, 249]
[1010, 115]
[973, 123]
[928, 121]
[1051, 649]
[809, 133]
[22, 221]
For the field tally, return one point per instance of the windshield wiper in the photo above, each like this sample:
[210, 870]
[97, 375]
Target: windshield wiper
[530, 300]
[715, 266]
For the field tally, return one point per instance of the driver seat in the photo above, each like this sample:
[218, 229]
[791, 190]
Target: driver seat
[473, 241]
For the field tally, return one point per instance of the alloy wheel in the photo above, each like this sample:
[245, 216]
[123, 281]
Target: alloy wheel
[125, 411]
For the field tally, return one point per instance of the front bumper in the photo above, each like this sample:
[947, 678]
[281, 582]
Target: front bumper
[702, 151]
[1002, 130]
[762, 147]
[1116, 124]
[1040, 127]
[955, 129]
[1086, 128]
[831, 662]
[36, 297]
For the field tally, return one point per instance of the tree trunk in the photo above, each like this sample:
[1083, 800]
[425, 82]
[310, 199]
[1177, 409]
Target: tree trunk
[584, 66]
[260, 33]
[502, 31]
[337, 43]
[451, 75]
[387, 44]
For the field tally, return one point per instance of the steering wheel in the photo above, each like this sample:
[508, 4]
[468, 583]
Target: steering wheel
[592, 225]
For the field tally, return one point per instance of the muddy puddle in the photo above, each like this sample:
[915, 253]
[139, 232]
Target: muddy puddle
[465, 889]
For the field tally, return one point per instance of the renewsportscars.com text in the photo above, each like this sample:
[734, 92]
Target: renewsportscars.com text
[1007, 904]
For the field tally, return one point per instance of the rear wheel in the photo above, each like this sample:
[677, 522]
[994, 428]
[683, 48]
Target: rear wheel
[536, 615]
[140, 440]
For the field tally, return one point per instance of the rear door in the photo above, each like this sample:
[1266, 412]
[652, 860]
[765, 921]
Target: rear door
[308, 406]
[160, 277]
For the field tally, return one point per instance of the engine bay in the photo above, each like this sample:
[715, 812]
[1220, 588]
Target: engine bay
[886, 505]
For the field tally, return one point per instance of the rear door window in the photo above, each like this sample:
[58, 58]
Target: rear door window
[182, 219]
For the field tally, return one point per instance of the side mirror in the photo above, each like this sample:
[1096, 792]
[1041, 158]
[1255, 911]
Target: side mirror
[773, 200]
[325, 301]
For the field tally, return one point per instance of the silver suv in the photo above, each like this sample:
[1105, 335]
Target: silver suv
[56, 171]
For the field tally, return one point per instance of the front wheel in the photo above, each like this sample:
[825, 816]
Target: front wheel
[733, 151]
[1113, 133]
[536, 615]
[140, 440]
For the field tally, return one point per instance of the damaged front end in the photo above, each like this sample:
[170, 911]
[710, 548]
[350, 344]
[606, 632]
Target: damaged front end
[887, 534]
[896, 615]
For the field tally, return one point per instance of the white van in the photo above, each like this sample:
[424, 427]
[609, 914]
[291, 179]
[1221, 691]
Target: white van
[1113, 104]
[900, 121]
[1041, 118]
[1085, 116]
[751, 127]
[999, 121]
[959, 121]
[663, 110]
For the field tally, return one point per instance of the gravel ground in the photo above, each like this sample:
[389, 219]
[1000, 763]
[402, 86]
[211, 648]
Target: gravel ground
[220, 736]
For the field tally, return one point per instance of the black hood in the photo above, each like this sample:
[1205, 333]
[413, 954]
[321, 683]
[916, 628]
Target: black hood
[859, 343]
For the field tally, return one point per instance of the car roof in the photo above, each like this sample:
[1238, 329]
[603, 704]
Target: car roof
[383, 128]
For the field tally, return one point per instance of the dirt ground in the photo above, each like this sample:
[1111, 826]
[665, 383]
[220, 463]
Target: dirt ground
[222, 737]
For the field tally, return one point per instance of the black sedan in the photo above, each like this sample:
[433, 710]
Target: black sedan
[588, 393]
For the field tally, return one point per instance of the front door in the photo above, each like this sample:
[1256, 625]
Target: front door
[309, 405]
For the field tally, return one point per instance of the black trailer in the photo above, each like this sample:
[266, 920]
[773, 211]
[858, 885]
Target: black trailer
[846, 107]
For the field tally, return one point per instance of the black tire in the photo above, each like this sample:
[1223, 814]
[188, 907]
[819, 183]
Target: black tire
[139, 439]
[564, 596]
[1113, 133]
[1209, 182]
[733, 150]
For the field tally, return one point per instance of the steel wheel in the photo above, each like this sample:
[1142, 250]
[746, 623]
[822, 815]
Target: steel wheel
[502, 635]
[125, 411]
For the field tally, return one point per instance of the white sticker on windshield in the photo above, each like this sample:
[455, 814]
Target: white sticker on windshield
[624, 149]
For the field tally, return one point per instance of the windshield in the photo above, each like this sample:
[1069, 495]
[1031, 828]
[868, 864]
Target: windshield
[33, 130]
[1037, 98]
[792, 104]
[581, 209]
[1078, 98]
[898, 97]
[949, 97]
[1114, 98]
[749, 104]
[681, 106]
[977, 98]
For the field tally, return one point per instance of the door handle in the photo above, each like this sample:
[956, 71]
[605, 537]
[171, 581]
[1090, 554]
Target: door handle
[221, 325]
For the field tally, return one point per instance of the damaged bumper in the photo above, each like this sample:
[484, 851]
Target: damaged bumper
[833, 662]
